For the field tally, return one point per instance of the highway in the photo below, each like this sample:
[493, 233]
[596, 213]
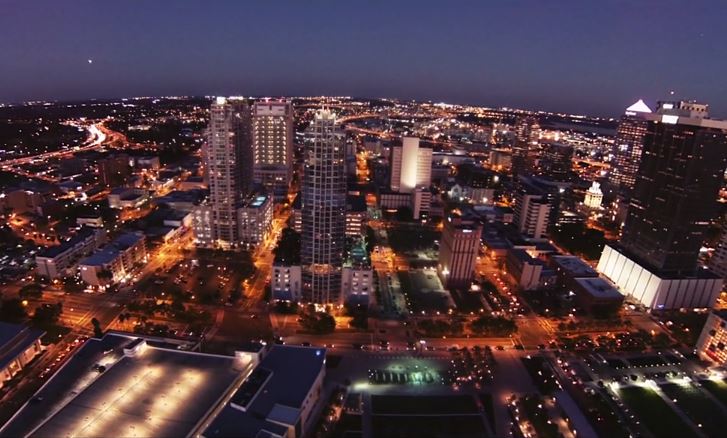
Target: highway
[96, 138]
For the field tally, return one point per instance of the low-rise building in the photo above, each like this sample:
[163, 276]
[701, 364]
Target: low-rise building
[90, 221]
[357, 277]
[115, 262]
[655, 289]
[286, 283]
[59, 261]
[18, 346]
[278, 399]
[529, 272]
[126, 197]
[597, 295]
[356, 210]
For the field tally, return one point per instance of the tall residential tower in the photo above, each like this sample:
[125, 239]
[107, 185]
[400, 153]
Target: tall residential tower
[272, 131]
[229, 166]
[323, 211]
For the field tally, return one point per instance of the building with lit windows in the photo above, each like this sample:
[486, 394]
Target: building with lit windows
[672, 203]
[712, 342]
[255, 219]
[228, 164]
[19, 345]
[272, 134]
[286, 283]
[61, 260]
[458, 252]
[627, 148]
[532, 214]
[524, 149]
[323, 210]
[115, 262]
[356, 215]
[718, 262]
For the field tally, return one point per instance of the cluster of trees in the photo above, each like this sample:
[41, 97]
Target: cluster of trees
[438, 327]
[175, 309]
[359, 316]
[288, 249]
[31, 291]
[594, 324]
[579, 239]
[493, 326]
[320, 323]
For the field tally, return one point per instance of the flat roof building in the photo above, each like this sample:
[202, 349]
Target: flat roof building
[18, 346]
[278, 398]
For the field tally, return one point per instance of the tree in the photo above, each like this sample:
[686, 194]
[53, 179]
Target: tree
[32, 290]
[97, 332]
[359, 316]
[47, 314]
[493, 326]
[105, 275]
[12, 310]
[320, 323]
[404, 214]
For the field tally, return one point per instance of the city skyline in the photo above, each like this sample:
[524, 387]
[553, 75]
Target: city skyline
[589, 60]
[375, 219]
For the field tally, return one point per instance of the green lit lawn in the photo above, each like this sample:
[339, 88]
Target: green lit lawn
[718, 388]
[654, 413]
[698, 407]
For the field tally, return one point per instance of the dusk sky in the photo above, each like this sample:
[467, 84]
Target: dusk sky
[578, 56]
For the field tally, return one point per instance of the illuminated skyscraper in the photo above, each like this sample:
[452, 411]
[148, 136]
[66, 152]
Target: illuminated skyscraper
[524, 150]
[272, 129]
[323, 211]
[672, 203]
[627, 148]
[411, 166]
[674, 197]
[229, 166]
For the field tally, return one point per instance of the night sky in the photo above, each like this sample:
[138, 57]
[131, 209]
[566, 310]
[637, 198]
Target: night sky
[584, 56]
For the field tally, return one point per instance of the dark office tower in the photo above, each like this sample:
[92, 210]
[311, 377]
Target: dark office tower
[458, 252]
[525, 147]
[323, 211]
[556, 162]
[229, 166]
[627, 148]
[674, 198]
[114, 170]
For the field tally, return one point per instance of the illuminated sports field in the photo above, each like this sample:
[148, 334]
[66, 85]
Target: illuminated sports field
[159, 392]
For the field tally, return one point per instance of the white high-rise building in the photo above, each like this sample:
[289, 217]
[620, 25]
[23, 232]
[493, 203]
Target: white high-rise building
[532, 213]
[411, 172]
[411, 166]
[272, 132]
[229, 166]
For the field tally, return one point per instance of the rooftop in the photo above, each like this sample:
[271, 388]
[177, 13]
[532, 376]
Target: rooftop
[574, 266]
[599, 287]
[14, 339]
[272, 395]
[54, 251]
[155, 392]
